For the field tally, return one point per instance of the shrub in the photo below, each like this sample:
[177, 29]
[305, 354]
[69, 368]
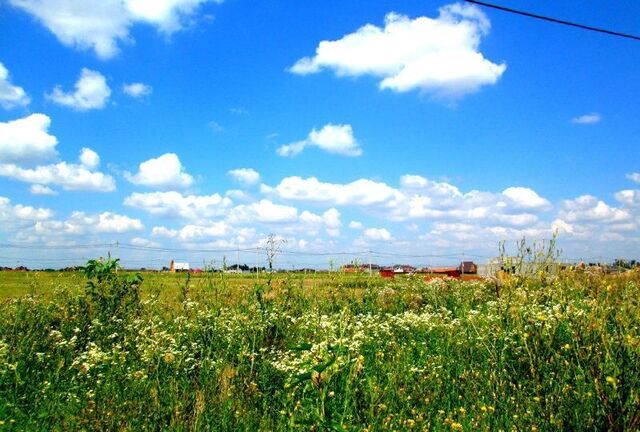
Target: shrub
[111, 294]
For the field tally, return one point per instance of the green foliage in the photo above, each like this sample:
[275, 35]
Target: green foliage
[111, 294]
[337, 352]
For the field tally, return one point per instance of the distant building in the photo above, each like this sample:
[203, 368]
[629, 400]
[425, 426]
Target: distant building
[178, 266]
[356, 268]
[465, 268]
[445, 271]
[234, 271]
[404, 269]
[468, 267]
[387, 272]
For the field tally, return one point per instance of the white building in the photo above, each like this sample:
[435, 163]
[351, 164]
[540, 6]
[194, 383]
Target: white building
[178, 266]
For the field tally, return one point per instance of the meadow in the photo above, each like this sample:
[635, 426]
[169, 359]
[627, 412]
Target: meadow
[120, 351]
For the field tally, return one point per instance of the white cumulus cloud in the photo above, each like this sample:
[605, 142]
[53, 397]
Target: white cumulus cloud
[337, 139]
[97, 24]
[331, 220]
[361, 192]
[168, 15]
[377, 234]
[161, 231]
[201, 232]
[11, 95]
[175, 204]
[38, 189]
[629, 197]
[591, 221]
[13, 216]
[89, 158]
[447, 235]
[137, 90]
[527, 199]
[356, 225]
[72, 177]
[439, 56]
[417, 198]
[91, 92]
[81, 223]
[102, 25]
[592, 118]
[115, 223]
[165, 171]
[311, 222]
[561, 227]
[587, 208]
[634, 177]
[416, 184]
[27, 139]
[264, 211]
[245, 176]
[143, 242]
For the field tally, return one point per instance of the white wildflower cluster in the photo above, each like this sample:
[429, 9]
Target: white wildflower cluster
[4, 358]
[91, 359]
[344, 338]
[60, 341]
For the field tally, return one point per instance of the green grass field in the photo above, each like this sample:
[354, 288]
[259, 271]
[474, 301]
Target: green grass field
[167, 286]
[318, 352]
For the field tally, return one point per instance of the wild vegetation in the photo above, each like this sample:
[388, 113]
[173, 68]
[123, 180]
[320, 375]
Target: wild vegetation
[116, 352]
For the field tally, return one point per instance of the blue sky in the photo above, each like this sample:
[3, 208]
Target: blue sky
[440, 129]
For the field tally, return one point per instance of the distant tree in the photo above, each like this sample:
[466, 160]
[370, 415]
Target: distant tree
[622, 263]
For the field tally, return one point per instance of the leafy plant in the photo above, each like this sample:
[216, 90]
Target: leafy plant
[110, 293]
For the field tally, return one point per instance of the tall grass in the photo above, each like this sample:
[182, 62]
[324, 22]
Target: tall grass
[542, 352]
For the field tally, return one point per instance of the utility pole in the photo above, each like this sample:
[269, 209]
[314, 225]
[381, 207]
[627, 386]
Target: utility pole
[369, 262]
[257, 253]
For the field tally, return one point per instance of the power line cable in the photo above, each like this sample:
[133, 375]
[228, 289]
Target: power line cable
[253, 250]
[555, 20]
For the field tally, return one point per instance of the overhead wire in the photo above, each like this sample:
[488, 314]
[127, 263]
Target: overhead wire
[554, 20]
[115, 246]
